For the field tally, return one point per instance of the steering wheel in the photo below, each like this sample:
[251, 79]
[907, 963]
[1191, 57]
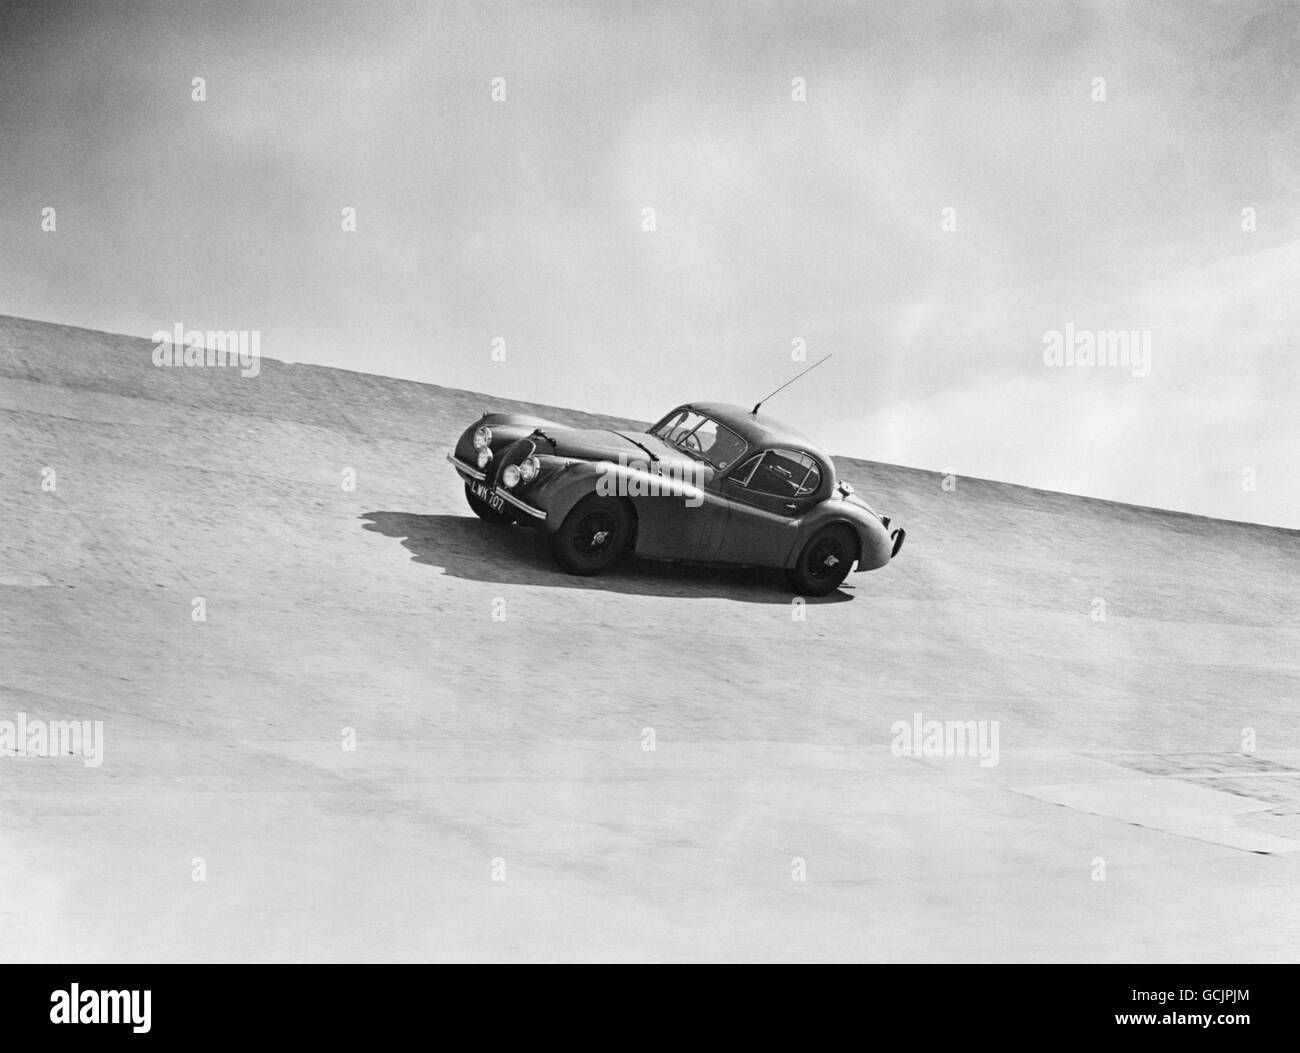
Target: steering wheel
[692, 442]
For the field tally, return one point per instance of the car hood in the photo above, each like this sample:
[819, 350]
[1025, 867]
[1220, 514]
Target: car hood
[604, 444]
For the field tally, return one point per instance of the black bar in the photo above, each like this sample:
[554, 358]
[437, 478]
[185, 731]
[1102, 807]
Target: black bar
[339, 1003]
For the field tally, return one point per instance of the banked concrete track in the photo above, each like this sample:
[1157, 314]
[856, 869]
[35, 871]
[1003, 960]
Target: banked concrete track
[514, 748]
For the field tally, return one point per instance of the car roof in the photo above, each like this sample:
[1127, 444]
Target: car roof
[757, 429]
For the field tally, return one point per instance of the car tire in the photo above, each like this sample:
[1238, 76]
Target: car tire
[824, 561]
[485, 511]
[593, 535]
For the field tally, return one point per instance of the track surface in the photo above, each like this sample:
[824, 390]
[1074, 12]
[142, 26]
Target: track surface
[520, 741]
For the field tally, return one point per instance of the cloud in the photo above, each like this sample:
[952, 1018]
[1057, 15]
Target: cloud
[775, 219]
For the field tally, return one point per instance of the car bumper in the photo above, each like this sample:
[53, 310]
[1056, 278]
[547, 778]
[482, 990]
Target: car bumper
[472, 475]
[879, 546]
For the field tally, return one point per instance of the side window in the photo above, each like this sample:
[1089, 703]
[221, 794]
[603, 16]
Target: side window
[781, 473]
[745, 472]
[812, 481]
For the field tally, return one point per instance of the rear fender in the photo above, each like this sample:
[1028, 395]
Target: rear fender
[875, 547]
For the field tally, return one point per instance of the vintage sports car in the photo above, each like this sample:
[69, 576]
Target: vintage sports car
[709, 483]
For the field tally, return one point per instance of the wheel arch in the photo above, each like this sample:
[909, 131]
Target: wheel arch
[869, 541]
[559, 494]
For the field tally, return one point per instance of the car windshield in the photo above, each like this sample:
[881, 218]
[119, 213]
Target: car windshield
[701, 437]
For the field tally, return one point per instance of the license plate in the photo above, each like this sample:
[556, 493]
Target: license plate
[483, 493]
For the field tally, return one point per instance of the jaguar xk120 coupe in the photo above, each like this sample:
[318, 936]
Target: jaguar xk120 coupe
[709, 483]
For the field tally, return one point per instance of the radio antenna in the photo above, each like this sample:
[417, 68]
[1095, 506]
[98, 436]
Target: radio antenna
[760, 402]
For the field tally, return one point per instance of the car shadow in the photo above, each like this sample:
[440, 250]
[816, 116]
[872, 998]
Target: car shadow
[467, 547]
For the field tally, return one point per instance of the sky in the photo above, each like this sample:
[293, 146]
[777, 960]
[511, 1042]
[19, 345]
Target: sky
[926, 191]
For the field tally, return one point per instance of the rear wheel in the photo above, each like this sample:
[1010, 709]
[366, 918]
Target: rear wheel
[824, 562]
[593, 535]
[485, 511]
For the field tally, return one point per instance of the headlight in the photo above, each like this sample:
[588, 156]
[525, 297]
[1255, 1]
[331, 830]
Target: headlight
[511, 476]
[484, 456]
[528, 469]
[482, 438]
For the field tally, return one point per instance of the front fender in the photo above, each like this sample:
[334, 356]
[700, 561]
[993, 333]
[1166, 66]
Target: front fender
[633, 482]
[558, 493]
[507, 428]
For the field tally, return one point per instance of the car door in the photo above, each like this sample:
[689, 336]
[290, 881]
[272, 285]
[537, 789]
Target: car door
[672, 527]
[766, 495]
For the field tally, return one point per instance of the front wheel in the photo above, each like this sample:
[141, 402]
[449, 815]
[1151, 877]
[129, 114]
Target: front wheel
[593, 535]
[824, 562]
